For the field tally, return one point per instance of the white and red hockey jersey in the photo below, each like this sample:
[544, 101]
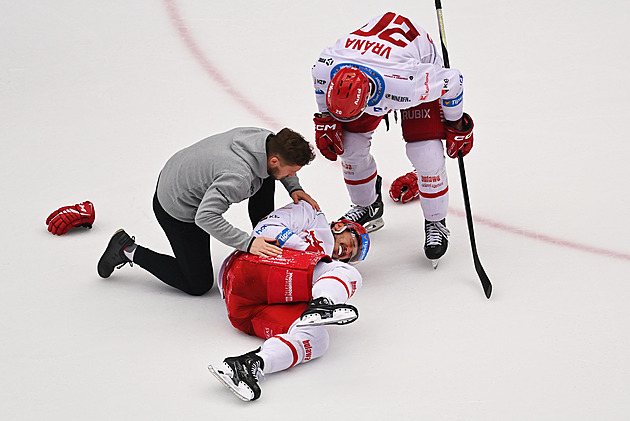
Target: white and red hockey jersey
[401, 60]
[298, 226]
[301, 227]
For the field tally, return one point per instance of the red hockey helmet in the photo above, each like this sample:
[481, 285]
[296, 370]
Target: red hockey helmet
[361, 239]
[348, 94]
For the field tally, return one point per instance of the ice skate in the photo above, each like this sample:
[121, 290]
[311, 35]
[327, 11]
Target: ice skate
[371, 217]
[241, 374]
[436, 240]
[114, 256]
[321, 311]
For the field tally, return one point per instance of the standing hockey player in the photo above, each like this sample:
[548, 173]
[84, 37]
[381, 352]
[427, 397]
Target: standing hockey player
[288, 299]
[197, 186]
[391, 64]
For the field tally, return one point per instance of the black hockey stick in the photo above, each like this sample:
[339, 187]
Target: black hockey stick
[485, 281]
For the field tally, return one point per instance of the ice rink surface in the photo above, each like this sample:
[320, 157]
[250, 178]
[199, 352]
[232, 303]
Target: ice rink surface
[96, 96]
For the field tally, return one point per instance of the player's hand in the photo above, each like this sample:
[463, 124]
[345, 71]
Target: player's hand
[298, 195]
[405, 188]
[265, 247]
[328, 136]
[459, 136]
[66, 217]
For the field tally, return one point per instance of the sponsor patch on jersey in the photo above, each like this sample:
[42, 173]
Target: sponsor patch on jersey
[365, 246]
[399, 77]
[326, 60]
[260, 230]
[397, 98]
[453, 102]
[284, 236]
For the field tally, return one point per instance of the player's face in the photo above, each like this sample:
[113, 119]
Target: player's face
[279, 170]
[345, 245]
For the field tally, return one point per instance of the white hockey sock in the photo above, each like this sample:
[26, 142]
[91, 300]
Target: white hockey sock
[300, 345]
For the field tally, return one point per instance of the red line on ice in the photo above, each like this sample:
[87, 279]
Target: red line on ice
[211, 70]
[544, 238]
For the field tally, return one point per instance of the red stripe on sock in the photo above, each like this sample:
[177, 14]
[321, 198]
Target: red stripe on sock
[292, 348]
[336, 279]
[357, 182]
[434, 195]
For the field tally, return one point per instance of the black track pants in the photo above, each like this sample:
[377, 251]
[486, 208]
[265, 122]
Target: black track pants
[191, 269]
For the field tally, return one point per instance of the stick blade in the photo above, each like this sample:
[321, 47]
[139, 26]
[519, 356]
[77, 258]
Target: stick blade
[485, 281]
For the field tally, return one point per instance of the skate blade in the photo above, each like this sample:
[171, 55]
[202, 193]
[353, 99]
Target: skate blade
[435, 263]
[340, 317]
[374, 225]
[244, 393]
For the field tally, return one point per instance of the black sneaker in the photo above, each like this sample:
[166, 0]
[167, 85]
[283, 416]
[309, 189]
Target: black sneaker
[436, 239]
[371, 217]
[241, 374]
[114, 256]
[321, 311]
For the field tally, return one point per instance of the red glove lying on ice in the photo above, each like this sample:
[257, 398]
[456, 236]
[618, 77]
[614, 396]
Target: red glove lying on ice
[405, 188]
[64, 218]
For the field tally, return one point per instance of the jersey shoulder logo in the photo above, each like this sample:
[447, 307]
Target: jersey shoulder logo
[313, 243]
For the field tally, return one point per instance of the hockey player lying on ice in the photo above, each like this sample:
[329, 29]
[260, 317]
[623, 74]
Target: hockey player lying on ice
[288, 299]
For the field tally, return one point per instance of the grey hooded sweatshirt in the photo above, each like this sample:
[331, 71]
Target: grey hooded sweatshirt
[200, 182]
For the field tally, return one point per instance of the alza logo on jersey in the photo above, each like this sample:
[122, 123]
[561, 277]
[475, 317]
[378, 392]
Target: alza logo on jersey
[364, 46]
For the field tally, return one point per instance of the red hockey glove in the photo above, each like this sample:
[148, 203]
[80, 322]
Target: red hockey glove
[405, 188]
[328, 136]
[64, 218]
[459, 140]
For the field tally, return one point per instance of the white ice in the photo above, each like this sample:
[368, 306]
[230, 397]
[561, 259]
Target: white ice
[95, 96]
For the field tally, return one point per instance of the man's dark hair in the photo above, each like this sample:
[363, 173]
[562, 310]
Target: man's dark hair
[290, 147]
